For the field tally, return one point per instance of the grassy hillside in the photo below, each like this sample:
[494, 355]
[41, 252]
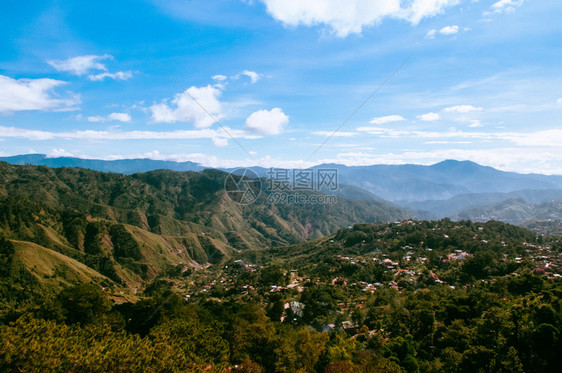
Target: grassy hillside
[132, 229]
[515, 211]
[423, 236]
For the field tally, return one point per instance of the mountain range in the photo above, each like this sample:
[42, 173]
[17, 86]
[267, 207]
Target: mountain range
[450, 188]
[130, 229]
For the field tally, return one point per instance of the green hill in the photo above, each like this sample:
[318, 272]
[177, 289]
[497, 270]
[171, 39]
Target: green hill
[516, 211]
[132, 229]
[423, 237]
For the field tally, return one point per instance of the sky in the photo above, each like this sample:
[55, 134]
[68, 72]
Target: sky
[285, 83]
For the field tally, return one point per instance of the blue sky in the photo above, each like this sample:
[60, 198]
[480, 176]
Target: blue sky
[102, 80]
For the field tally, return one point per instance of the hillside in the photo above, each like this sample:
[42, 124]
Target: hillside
[135, 228]
[455, 205]
[423, 237]
[410, 296]
[403, 184]
[515, 211]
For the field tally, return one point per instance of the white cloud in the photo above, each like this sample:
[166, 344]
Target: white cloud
[96, 119]
[428, 117]
[559, 101]
[475, 124]
[220, 142]
[506, 6]
[349, 17]
[420, 9]
[462, 109]
[219, 78]
[387, 119]
[431, 34]
[82, 65]
[449, 30]
[56, 153]
[32, 94]
[267, 122]
[15, 132]
[332, 134]
[121, 117]
[448, 142]
[544, 138]
[184, 108]
[504, 158]
[536, 160]
[254, 76]
[119, 75]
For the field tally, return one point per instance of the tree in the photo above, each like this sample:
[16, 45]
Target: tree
[83, 304]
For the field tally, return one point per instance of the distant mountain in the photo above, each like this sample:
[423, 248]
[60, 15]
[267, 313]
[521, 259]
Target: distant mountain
[547, 228]
[455, 205]
[515, 211]
[122, 166]
[405, 183]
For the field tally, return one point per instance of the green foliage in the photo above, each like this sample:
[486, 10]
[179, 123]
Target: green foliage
[83, 304]
[271, 275]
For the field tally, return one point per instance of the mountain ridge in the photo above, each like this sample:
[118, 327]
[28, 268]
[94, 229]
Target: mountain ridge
[134, 228]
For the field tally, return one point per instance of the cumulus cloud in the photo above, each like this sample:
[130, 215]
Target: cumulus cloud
[428, 117]
[506, 6]
[59, 152]
[462, 109]
[447, 30]
[254, 76]
[188, 107]
[387, 119]
[219, 142]
[120, 117]
[350, 17]
[33, 94]
[82, 65]
[267, 122]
